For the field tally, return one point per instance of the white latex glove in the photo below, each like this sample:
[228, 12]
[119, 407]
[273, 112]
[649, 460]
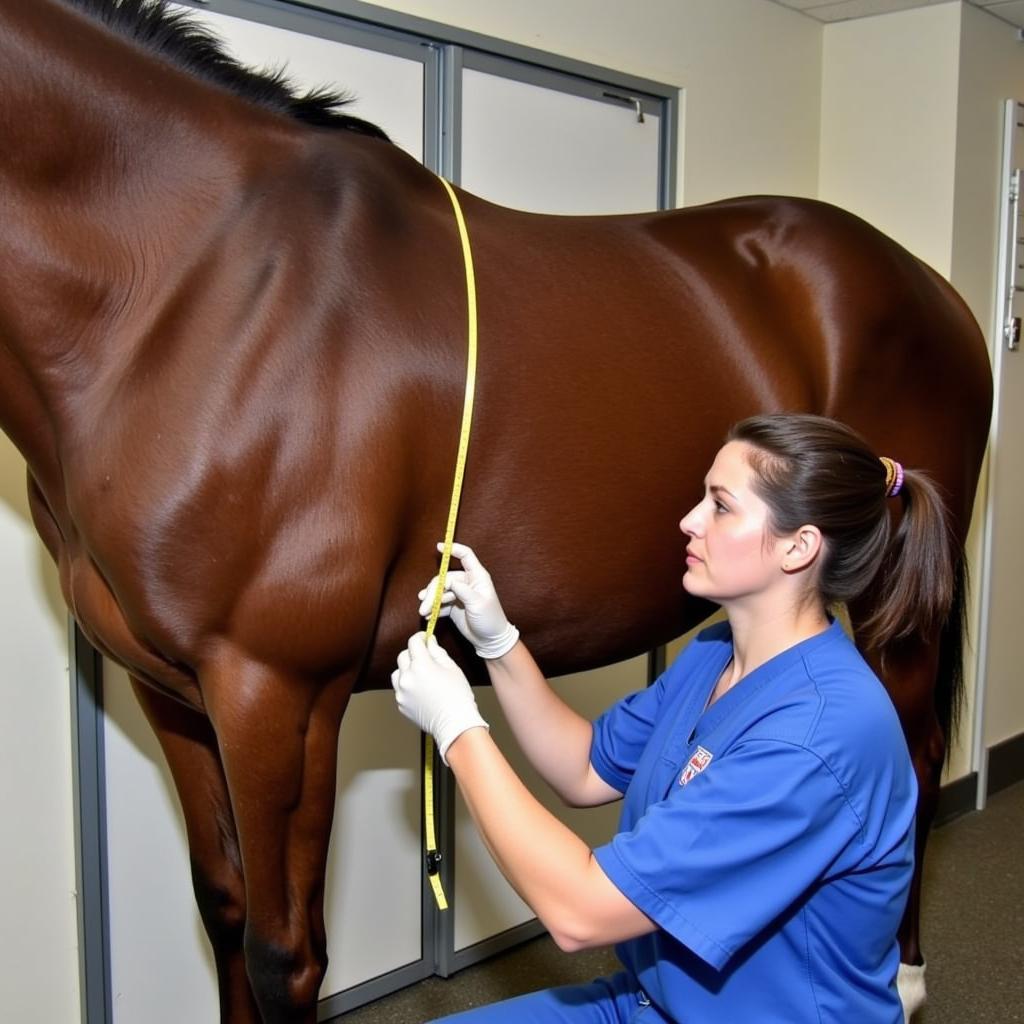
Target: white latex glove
[433, 694]
[470, 600]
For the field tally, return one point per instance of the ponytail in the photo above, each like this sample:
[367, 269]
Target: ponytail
[814, 470]
[916, 579]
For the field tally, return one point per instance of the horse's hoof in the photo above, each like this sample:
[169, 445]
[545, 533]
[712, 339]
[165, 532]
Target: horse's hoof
[910, 983]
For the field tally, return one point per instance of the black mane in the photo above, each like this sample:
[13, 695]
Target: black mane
[175, 36]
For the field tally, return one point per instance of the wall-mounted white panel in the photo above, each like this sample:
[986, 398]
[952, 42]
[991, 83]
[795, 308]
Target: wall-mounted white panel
[375, 868]
[161, 966]
[38, 939]
[547, 151]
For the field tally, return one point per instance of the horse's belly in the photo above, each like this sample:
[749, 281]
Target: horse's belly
[103, 622]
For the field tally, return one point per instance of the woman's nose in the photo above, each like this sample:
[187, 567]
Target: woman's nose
[688, 524]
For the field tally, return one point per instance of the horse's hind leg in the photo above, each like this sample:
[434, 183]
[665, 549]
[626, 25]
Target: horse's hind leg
[278, 739]
[190, 746]
[910, 674]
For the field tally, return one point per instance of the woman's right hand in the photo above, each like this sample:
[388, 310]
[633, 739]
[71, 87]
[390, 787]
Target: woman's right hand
[471, 602]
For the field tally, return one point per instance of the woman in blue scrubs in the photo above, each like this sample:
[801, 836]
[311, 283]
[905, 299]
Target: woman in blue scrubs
[765, 849]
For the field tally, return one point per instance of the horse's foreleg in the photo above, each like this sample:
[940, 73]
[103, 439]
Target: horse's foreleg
[278, 739]
[189, 744]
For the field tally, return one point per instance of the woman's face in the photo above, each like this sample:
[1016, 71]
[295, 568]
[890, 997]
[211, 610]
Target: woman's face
[730, 554]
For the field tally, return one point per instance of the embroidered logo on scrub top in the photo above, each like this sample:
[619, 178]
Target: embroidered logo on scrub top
[699, 760]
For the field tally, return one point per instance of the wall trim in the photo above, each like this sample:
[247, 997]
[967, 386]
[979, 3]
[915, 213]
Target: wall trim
[1005, 764]
[956, 799]
[506, 940]
[334, 1007]
[1005, 768]
[89, 792]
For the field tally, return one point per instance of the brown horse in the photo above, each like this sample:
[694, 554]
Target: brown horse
[232, 353]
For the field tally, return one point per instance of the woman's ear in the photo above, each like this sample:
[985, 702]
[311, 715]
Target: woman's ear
[801, 548]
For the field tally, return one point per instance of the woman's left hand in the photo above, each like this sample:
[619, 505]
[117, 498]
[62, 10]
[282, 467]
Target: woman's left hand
[433, 693]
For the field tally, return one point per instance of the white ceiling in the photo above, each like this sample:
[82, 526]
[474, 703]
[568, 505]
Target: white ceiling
[1011, 11]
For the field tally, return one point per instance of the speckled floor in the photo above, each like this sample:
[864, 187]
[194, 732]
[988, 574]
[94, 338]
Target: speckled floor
[973, 921]
[973, 931]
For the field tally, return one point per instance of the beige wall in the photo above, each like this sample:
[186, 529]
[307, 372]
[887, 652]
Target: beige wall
[888, 125]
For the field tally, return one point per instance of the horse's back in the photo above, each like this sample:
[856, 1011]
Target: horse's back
[762, 302]
[617, 351]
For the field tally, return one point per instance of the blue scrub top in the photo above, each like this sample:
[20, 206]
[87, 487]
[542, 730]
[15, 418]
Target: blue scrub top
[770, 836]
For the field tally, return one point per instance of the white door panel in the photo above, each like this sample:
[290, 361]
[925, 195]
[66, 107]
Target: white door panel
[161, 967]
[546, 151]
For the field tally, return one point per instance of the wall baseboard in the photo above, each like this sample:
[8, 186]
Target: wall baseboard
[1005, 764]
[956, 798]
[1005, 769]
[498, 943]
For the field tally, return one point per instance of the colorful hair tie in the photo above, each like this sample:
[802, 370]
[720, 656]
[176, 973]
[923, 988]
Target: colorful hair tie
[893, 476]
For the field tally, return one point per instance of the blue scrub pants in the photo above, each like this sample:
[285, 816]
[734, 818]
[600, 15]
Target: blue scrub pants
[614, 1000]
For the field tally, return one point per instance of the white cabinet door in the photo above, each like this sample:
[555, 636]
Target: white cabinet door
[534, 147]
[540, 149]
[162, 968]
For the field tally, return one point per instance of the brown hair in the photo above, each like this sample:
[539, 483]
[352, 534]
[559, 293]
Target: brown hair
[814, 470]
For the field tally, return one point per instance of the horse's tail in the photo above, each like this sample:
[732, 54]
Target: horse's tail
[949, 679]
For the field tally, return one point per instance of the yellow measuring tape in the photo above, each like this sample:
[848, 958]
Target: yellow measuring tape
[433, 858]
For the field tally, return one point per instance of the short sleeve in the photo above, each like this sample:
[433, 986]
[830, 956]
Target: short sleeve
[622, 732]
[722, 857]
